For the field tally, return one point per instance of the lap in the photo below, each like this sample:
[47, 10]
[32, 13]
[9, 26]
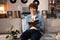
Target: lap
[36, 36]
[31, 34]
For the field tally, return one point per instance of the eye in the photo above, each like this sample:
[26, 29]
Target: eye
[24, 1]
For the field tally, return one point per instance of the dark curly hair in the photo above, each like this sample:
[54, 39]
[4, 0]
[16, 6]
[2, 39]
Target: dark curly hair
[33, 5]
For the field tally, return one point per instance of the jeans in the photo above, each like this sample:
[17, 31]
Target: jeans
[31, 34]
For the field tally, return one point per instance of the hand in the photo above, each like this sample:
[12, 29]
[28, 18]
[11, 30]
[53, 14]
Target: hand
[37, 26]
[31, 20]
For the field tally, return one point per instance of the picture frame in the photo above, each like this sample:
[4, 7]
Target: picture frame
[9, 14]
[44, 12]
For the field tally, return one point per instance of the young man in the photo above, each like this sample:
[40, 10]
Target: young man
[33, 33]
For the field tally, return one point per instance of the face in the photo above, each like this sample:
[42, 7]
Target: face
[33, 11]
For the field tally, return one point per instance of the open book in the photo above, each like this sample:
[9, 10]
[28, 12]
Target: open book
[34, 23]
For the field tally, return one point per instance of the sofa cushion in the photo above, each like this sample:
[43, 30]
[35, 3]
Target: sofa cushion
[6, 24]
[53, 25]
[4, 28]
[48, 36]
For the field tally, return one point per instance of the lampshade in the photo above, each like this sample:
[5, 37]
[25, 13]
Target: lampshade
[36, 2]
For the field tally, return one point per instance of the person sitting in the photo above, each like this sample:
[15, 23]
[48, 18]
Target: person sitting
[33, 32]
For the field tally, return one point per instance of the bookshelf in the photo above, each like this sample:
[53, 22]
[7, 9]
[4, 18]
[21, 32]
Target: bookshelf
[3, 1]
[54, 7]
[58, 5]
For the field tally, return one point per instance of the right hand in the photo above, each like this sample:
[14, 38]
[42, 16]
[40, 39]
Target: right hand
[31, 20]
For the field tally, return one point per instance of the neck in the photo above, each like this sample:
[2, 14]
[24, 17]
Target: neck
[33, 14]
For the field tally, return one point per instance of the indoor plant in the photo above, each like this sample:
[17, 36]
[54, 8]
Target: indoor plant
[12, 34]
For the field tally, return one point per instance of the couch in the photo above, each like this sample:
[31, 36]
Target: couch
[52, 27]
[6, 24]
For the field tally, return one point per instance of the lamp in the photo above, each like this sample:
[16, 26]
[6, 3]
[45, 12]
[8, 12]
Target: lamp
[36, 2]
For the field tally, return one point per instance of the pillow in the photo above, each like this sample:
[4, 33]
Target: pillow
[6, 24]
[4, 27]
[53, 25]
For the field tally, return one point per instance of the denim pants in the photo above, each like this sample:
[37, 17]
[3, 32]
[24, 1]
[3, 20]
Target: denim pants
[31, 34]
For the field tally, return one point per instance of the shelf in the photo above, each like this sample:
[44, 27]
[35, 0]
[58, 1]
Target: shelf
[3, 1]
[54, 7]
[55, 4]
[3, 16]
[58, 3]
[57, 8]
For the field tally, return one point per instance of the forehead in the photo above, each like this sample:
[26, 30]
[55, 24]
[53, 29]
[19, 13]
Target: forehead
[32, 7]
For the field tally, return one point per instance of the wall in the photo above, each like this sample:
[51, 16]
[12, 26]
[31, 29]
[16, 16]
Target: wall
[13, 6]
[43, 5]
[18, 5]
